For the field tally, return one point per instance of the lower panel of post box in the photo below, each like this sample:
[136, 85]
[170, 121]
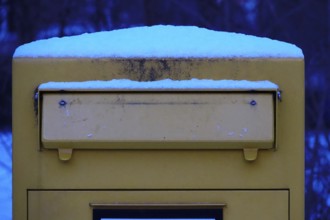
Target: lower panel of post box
[232, 204]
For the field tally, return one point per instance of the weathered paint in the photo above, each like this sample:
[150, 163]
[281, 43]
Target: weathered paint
[137, 172]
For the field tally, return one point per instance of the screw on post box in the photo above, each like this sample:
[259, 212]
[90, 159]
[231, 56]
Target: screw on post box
[253, 102]
[62, 103]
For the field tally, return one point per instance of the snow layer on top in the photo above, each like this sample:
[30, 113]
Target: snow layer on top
[160, 42]
[166, 84]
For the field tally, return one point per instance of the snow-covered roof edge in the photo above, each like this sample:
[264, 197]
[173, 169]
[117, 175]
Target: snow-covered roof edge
[161, 41]
[161, 85]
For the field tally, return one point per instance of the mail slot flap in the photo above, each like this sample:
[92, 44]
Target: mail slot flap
[177, 119]
[158, 120]
[240, 118]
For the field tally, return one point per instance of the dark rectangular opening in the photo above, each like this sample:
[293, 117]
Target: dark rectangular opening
[172, 213]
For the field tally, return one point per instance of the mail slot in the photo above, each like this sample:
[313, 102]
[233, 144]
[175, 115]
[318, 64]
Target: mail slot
[207, 118]
[109, 127]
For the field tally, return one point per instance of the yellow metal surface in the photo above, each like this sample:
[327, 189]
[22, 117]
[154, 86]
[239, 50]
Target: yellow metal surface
[196, 171]
[243, 204]
[250, 154]
[96, 121]
[64, 154]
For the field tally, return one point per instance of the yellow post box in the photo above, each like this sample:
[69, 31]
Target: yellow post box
[158, 122]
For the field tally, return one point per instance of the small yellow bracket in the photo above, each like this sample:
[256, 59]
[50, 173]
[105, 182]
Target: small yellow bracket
[250, 154]
[65, 154]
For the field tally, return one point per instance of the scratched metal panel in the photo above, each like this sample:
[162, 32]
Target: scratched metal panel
[229, 119]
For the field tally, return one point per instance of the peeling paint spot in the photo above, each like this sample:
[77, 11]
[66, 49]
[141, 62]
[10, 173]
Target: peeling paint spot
[231, 133]
[243, 132]
[67, 112]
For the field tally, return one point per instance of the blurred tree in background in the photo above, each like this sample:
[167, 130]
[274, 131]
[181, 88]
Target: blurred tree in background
[305, 23]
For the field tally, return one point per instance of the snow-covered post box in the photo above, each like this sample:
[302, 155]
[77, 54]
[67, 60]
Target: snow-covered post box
[158, 122]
